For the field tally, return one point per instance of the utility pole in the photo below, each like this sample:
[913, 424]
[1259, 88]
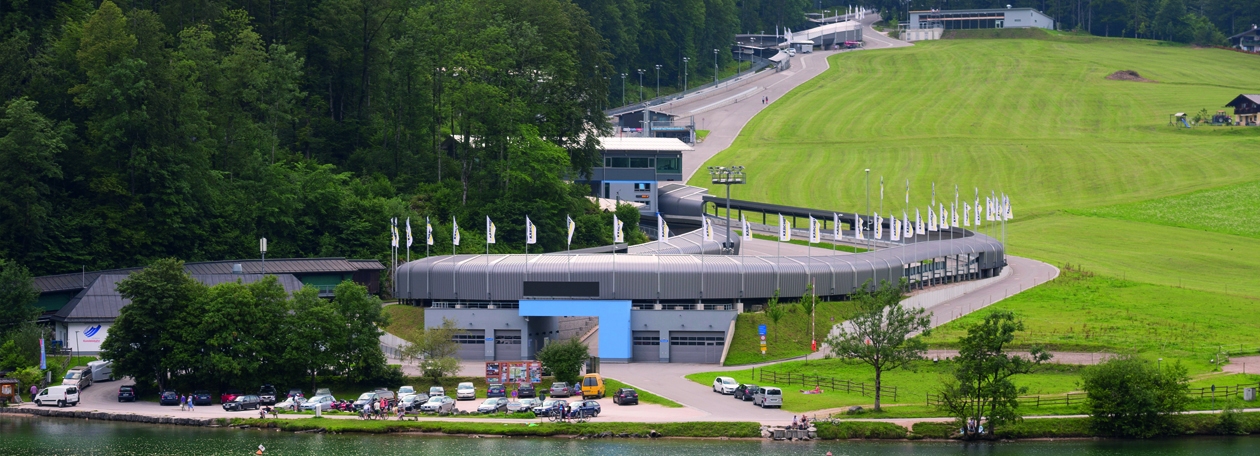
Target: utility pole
[658, 81]
[685, 60]
[715, 69]
[623, 89]
[640, 84]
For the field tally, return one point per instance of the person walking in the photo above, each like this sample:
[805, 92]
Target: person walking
[34, 392]
[183, 402]
[191, 399]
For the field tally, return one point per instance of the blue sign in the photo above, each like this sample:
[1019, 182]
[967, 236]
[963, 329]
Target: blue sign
[761, 330]
[92, 331]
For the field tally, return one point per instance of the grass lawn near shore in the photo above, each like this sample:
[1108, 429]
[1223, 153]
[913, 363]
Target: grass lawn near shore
[789, 338]
[611, 386]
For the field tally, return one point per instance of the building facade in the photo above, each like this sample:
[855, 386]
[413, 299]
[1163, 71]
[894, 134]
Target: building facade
[633, 168]
[995, 18]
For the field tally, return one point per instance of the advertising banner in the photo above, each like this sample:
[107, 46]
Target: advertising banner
[513, 372]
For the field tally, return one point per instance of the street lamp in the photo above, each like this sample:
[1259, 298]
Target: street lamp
[869, 241]
[76, 345]
[623, 89]
[685, 60]
[640, 84]
[728, 176]
[739, 58]
[715, 71]
[658, 81]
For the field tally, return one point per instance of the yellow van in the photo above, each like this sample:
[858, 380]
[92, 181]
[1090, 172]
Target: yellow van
[592, 386]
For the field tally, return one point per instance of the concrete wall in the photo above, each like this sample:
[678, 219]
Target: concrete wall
[484, 319]
[1026, 19]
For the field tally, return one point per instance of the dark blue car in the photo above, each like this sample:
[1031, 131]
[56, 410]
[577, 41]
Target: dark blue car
[585, 409]
[496, 390]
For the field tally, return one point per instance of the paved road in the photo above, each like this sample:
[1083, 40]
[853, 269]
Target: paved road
[669, 380]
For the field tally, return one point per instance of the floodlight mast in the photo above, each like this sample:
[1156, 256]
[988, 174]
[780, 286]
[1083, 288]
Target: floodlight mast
[728, 176]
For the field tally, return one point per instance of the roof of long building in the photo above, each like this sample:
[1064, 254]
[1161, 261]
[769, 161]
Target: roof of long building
[80, 280]
[101, 301]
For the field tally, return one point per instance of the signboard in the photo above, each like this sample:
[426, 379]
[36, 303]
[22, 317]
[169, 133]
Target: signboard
[43, 358]
[513, 372]
[761, 331]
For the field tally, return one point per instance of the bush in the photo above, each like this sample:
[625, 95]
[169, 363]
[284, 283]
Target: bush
[1128, 397]
[859, 430]
[934, 430]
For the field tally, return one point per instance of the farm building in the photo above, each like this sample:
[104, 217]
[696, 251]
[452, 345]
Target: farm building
[1246, 109]
[1247, 41]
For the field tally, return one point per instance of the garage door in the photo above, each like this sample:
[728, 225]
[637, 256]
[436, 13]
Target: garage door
[472, 345]
[507, 344]
[703, 347]
[647, 347]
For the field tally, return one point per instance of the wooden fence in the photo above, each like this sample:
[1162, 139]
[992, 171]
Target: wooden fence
[1223, 392]
[832, 383]
[1028, 401]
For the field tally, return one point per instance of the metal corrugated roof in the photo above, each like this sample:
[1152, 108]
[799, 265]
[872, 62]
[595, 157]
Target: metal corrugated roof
[100, 301]
[78, 280]
[635, 144]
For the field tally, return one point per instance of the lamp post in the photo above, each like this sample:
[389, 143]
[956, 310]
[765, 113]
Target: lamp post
[869, 241]
[658, 81]
[640, 84]
[623, 89]
[76, 345]
[728, 176]
[715, 69]
[685, 60]
[739, 58]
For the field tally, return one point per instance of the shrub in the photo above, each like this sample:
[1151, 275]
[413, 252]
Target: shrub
[1128, 397]
[860, 430]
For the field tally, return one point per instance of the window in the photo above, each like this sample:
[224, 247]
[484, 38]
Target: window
[639, 163]
[507, 340]
[648, 340]
[642, 187]
[713, 340]
[616, 162]
[669, 165]
[470, 339]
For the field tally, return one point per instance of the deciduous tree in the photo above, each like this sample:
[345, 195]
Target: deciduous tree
[565, 359]
[1131, 397]
[880, 335]
[140, 340]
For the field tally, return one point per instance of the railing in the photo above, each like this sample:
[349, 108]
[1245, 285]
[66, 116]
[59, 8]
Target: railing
[1220, 391]
[475, 305]
[848, 386]
[1026, 401]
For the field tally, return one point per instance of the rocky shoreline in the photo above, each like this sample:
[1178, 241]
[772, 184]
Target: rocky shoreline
[106, 416]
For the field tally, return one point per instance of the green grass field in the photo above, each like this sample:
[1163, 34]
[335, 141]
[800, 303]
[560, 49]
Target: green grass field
[788, 339]
[404, 320]
[611, 386]
[1096, 175]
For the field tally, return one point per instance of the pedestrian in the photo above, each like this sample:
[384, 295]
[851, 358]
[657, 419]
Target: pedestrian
[794, 422]
[191, 399]
[183, 403]
[34, 392]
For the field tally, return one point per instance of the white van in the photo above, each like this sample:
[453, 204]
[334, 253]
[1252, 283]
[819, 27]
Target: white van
[102, 371]
[60, 396]
[768, 397]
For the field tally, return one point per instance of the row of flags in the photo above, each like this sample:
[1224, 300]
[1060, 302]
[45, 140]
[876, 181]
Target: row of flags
[941, 217]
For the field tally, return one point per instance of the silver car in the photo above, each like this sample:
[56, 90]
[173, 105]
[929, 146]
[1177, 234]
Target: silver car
[768, 397]
[493, 405]
[523, 405]
[439, 404]
[323, 402]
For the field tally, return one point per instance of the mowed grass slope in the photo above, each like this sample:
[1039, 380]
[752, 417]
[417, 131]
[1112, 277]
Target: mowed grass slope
[1037, 119]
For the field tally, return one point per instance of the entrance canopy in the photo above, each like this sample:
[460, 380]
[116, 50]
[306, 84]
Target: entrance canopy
[614, 321]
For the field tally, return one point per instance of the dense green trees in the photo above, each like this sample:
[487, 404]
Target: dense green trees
[179, 333]
[1130, 397]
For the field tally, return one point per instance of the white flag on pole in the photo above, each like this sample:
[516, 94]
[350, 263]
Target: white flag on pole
[785, 232]
[571, 227]
[966, 214]
[428, 232]
[815, 230]
[988, 209]
[408, 232]
[944, 217]
[531, 232]
[836, 233]
[953, 215]
[931, 219]
[662, 228]
[393, 232]
[894, 230]
[454, 231]
[489, 231]
[747, 228]
[857, 227]
[1006, 213]
[906, 226]
[919, 229]
[708, 229]
[618, 234]
[879, 227]
[977, 209]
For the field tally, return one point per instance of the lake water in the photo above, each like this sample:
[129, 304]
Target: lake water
[20, 435]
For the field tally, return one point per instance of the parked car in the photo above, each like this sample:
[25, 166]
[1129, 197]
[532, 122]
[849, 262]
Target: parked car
[383, 393]
[61, 396]
[267, 395]
[228, 395]
[768, 397]
[626, 396]
[465, 391]
[364, 399]
[437, 391]
[412, 402]
[744, 392]
[592, 386]
[493, 405]
[560, 389]
[168, 397]
[496, 390]
[242, 402]
[80, 377]
[127, 393]
[724, 385]
[438, 404]
[201, 397]
[321, 402]
[320, 392]
[549, 406]
[586, 409]
[102, 371]
[405, 390]
[526, 390]
[522, 405]
[297, 392]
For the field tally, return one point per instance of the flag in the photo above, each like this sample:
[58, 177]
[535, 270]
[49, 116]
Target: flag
[857, 227]
[894, 231]
[454, 231]
[966, 214]
[931, 219]
[836, 233]
[428, 232]
[747, 228]
[953, 215]
[662, 228]
[1006, 213]
[905, 224]
[879, 227]
[785, 231]
[708, 229]
[393, 229]
[531, 232]
[489, 230]
[618, 234]
[571, 226]
[944, 217]
[977, 207]
[881, 188]
[408, 232]
[919, 229]
[815, 230]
